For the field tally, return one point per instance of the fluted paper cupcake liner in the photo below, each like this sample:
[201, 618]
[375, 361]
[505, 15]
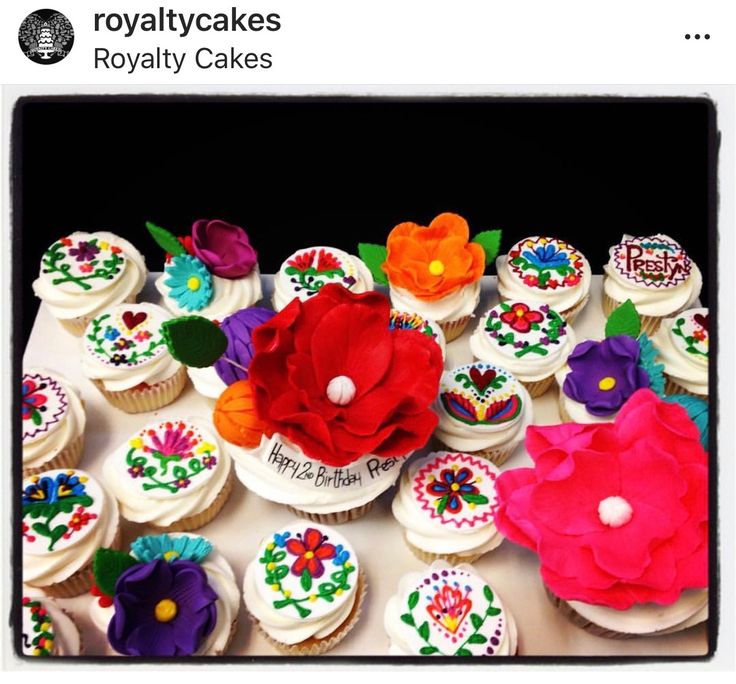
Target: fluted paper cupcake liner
[67, 458]
[496, 455]
[77, 326]
[314, 646]
[148, 398]
[336, 518]
[649, 324]
[233, 628]
[538, 387]
[453, 329]
[572, 313]
[673, 387]
[428, 557]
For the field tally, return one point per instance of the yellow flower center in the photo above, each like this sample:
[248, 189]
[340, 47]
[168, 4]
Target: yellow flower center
[165, 610]
[169, 555]
[454, 486]
[309, 555]
[519, 313]
[606, 384]
[193, 283]
[436, 267]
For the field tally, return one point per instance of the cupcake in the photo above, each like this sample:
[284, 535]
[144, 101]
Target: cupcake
[682, 343]
[445, 504]
[600, 376]
[304, 589]
[66, 516]
[448, 611]
[402, 320]
[126, 357]
[618, 514]
[434, 271]
[532, 341]
[53, 418]
[47, 630]
[483, 411]
[211, 381]
[171, 474]
[84, 274]
[307, 270]
[334, 403]
[172, 595]
[655, 273]
[213, 272]
[545, 270]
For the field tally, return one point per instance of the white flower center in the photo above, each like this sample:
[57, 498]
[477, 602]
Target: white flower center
[614, 511]
[341, 390]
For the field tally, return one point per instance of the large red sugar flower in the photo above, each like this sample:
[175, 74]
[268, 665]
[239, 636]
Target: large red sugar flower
[330, 376]
[618, 512]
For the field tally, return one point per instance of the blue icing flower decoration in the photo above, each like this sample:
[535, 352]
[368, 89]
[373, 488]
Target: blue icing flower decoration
[190, 282]
[546, 257]
[48, 490]
[280, 539]
[111, 333]
[341, 555]
[164, 547]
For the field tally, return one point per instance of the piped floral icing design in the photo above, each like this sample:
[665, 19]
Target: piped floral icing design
[457, 490]
[310, 269]
[128, 335]
[519, 329]
[546, 263]
[168, 458]
[481, 394]
[44, 405]
[452, 612]
[306, 570]
[59, 509]
[689, 333]
[651, 262]
[38, 629]
[75, 265]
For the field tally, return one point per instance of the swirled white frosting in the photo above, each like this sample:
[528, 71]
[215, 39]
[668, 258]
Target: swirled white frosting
[562, 299]
[41, 451]
[283, 488]
[67, 640]
[528, 368]
[652, 301]
[229, 295]
[68, 305]
[449, 308]
[221, 578]
[577, 411]
[649, 618]
[680, 366]
[206, 381]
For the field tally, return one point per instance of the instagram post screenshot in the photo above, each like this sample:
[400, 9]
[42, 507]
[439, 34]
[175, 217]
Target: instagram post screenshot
[367, 337]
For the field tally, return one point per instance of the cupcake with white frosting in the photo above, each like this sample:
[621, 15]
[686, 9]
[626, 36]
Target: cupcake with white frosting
[172, 595]
[403, 320]
[171, 474]
[305, 588]
[213, 272]
[307, 270]
[483, 411]
[448, 611]
[83, 274]
[66, 517]
[531, 340]
[53, 419]
[547, 270]
[655, 273]
[48, 630]
[445, 504]
[126, 357]
[683, 346]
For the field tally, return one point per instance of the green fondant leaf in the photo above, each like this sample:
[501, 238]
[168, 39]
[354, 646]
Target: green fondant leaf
[306, 580]
[166, 240]
[477, 639]
[624, 320]
[194, 340]
[424, 630]
[373, 256]
[107, 566]
[697, 410]
[476, 619]
[428, 650]
[408, 619]
[413, 600]
[490, 241]
[647, 361]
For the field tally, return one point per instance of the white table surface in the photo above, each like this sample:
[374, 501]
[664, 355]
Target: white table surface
[246, 518]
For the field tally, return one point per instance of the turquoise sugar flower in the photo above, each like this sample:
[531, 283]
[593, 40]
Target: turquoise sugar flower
[164, 547]
[190, 282]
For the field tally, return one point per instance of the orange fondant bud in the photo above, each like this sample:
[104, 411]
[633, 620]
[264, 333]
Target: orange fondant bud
[235, 416]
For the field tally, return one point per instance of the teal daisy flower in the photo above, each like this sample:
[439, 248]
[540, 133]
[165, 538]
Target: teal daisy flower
[164, 547]
[190, 282]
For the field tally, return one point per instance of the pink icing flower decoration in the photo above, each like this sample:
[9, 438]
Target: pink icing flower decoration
[223, 248]
[618, 512]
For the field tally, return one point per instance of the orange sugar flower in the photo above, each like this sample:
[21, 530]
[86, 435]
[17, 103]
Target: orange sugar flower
[433, 261]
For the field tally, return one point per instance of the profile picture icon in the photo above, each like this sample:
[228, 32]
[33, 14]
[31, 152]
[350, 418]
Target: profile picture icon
[46, 36]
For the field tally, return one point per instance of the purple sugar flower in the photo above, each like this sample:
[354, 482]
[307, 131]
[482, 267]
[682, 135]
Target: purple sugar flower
[223, 248]
[162, 609]
[605, 374]
[238, 329]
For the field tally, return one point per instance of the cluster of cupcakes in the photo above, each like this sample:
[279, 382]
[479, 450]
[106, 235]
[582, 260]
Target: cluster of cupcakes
[319, 402]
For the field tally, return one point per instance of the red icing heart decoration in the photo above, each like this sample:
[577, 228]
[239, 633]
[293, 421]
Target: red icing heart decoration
[449, 608]
[701, 320]
[131, 320]
[482, 380]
